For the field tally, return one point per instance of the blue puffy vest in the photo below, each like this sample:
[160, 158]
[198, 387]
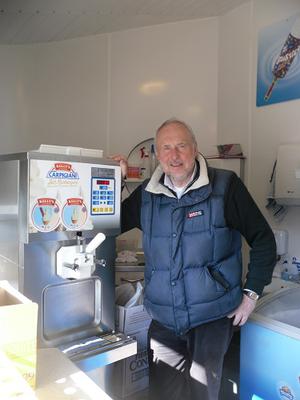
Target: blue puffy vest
[193, 260]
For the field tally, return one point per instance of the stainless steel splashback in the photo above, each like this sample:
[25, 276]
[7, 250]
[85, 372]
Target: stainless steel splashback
[71, 310]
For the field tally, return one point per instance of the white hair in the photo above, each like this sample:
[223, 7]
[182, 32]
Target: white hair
[175, 121]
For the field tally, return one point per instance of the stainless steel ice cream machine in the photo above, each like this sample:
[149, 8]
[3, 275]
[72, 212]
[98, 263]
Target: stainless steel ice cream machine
[59, 216]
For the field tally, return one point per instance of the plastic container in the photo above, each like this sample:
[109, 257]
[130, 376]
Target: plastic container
[290, 269]
[145, 163]
[153, 159]
[281, 238]
[70, 150]
[133, 172]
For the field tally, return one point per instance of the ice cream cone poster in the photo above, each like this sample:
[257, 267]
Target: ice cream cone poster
[45, 215]
[278, 63]
[74, 213]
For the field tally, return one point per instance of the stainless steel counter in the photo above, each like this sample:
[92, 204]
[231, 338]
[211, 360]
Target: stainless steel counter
[59, 379]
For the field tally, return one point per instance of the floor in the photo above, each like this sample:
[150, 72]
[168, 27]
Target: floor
[230, 381]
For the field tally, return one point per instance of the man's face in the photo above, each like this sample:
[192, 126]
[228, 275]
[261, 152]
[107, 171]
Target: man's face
[176, 152]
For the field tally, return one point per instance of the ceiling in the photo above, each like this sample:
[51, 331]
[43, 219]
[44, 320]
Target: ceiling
[34, 21]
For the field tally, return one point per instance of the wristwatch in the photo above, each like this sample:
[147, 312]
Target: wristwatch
[252, 295]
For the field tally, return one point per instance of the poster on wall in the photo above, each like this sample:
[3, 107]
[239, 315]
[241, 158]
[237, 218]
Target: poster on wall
[278, 66]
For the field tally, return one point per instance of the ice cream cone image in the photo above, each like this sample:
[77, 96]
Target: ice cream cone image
[46, 215]
[75, 215]
[286, 57]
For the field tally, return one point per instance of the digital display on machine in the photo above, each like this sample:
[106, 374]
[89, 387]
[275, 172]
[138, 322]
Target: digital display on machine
[102, 182]
[103, 196]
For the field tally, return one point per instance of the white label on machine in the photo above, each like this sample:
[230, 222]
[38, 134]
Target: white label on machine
[67, 195]
[45, 215]
[74, 213]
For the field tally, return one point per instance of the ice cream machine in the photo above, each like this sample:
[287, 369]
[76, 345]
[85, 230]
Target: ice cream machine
[64, 211]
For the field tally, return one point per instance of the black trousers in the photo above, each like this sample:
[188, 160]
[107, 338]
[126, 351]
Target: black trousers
[189, 366]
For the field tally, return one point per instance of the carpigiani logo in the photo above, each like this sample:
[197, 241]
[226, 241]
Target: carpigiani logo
[62, 171]
[62, 174]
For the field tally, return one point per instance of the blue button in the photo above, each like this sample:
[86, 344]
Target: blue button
[173, 283]
[174, 235]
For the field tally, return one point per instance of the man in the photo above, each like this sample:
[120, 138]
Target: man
[192, 218]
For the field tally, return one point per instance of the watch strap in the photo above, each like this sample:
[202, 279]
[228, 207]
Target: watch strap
[251, 294]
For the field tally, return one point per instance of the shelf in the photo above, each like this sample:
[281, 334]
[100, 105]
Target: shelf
[224, 157]
[134, 180]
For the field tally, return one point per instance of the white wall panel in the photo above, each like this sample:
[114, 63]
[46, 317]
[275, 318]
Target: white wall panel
[235, 51]
[161, 72]
[14, 99]
[69, 92]
[273, 124]
[239, 119]
[54, 94]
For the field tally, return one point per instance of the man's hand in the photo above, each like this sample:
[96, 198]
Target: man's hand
[241, 314]
[122, 160]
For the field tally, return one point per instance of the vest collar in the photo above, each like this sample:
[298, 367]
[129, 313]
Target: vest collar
[156, 186]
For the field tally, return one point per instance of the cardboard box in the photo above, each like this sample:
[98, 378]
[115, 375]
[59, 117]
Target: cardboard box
[130, 375]
[136, 374]
[142, 339]
[12, 384]
[18, 333]
[133, 372]
[132, 319]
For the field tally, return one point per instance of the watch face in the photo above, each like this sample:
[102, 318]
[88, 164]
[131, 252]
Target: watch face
[252, 295]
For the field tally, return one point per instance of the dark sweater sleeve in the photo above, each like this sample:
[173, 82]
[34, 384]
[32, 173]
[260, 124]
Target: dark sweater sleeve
[131, 210]
[242, 214]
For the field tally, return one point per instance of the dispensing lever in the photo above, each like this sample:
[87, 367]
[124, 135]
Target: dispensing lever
[94, 243]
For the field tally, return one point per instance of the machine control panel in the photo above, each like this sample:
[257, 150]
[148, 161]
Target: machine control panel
[102, 196]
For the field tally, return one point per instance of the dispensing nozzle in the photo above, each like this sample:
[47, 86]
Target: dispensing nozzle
[80, 242]
[78, 261]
